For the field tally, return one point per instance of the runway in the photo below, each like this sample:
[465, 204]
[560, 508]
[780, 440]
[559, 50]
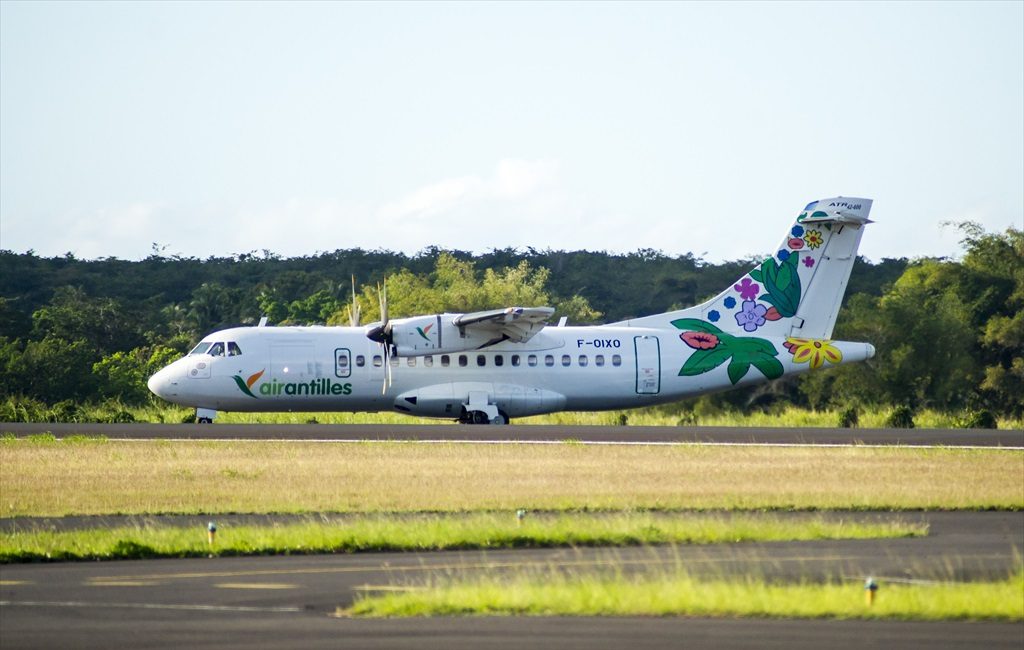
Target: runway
[288, 601]
[534, 434]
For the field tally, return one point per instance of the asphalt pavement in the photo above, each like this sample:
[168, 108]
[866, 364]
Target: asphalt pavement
[268, 602]
[532, 433]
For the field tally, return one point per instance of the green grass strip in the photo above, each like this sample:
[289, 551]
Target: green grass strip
[678, 594]
[436, 532]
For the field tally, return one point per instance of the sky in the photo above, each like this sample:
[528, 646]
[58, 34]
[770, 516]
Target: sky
[212, 129]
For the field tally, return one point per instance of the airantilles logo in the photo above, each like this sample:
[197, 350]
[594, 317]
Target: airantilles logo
[321, 386]
[423, 331]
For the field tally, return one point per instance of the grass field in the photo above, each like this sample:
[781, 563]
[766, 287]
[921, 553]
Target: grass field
[669, 415]
[434, 532]
[674, 593]
[42, 477]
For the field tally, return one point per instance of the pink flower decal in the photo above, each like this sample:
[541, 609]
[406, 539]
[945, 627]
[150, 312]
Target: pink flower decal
[699, 340]
[795, 243]
[747, 289]
[808, 261]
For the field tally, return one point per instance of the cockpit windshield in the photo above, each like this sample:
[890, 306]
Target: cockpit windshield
[199, 349]
[216, 350]
[233, 349]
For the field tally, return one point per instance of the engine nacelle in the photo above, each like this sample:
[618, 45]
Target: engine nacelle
[437, 334]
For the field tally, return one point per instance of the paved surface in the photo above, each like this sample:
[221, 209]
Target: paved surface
[287, 601]
[534, 433]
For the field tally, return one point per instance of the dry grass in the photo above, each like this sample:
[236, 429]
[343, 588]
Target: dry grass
[69, 477]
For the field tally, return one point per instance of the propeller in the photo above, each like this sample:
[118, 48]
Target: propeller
[383, 334]
[354, 312]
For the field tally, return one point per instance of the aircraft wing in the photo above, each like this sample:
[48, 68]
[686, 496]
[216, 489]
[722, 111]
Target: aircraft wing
[517, 324]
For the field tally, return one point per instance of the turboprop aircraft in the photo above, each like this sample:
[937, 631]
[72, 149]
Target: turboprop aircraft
[491, 366]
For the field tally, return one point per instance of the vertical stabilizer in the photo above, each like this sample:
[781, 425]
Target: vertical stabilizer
[798, 290]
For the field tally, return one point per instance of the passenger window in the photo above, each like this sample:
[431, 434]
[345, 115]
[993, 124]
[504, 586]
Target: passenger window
[428, 361]
[445, 361]
[463, 361]
[599, 360]
[360, 361]
[531, 360]
[583, 361]
[515, 359]
[499, 360]
[481, 360]
[199, 349]
[616, 360]
[549, 360]
[412, 362]
[394, 362]
[233, 349]
[378, 361]
[566, 360]
[217, 350]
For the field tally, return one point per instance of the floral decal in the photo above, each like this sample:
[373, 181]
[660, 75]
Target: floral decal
[713, 347]
[813, 238]
[699, 340]
[781, 282]
[747, 289]
[795, 243]
[816, 351]
[751, 316]
[808, 261]
[713, 315]
[730, 302]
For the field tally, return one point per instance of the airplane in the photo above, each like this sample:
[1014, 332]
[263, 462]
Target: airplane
[491, 366]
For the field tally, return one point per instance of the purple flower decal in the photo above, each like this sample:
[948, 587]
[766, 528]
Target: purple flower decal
[751, 316]
[747, 289]
[808, 261]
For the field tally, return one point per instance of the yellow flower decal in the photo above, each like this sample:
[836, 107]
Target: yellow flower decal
[813, 238]
[816, 351]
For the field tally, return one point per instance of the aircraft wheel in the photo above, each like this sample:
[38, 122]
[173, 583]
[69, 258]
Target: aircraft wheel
[502, 418]
[204, 420]
[479, 417]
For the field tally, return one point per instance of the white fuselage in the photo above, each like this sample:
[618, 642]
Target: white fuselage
[339, 369]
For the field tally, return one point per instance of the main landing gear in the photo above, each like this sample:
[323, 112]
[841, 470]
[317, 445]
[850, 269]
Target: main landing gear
[481, 417]
[479, 410]
[205, 416]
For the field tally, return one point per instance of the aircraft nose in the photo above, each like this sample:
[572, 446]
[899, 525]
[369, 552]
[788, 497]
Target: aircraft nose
[157, 384]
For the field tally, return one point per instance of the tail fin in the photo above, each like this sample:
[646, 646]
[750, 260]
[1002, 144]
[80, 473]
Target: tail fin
[798, 290]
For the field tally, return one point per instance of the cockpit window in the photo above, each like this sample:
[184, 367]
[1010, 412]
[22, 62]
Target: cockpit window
[217, 350]
[233, 349]
[199, 349]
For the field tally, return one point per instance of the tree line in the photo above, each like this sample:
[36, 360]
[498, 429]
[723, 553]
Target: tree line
[949, 332]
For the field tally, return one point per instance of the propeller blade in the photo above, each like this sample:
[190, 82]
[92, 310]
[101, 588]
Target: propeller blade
[354, 312]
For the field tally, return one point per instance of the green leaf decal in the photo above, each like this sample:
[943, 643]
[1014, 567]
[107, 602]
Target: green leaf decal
[756, 275]
[818, 214]
[741, 352]
[737, 370]
[703, 361]
[770, 367]
[784, 277]
[696, 325]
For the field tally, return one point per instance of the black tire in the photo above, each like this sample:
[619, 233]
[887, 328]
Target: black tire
[479, 417]
[204, 420]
